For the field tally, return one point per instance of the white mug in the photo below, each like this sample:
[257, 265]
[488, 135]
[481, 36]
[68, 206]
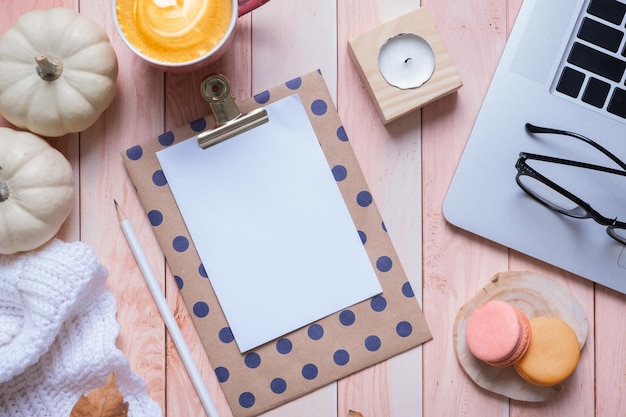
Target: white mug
[176, 48]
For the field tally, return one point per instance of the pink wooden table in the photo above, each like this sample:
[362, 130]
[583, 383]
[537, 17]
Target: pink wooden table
[408, 165]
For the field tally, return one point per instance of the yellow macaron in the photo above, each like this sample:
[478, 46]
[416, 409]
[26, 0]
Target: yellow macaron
[553, 352]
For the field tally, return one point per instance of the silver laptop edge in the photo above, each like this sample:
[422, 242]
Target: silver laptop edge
[483, 197]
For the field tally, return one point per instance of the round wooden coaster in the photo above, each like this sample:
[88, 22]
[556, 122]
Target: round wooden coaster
[535, 295]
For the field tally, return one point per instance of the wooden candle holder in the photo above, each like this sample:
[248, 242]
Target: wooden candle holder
[393, 102]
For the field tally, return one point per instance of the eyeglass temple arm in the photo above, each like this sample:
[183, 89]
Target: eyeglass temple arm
[538, 129]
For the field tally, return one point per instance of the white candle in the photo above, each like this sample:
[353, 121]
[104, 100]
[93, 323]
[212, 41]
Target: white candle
[406, 61]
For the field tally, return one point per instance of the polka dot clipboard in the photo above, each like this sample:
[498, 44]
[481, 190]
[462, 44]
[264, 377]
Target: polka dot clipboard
[324, 351]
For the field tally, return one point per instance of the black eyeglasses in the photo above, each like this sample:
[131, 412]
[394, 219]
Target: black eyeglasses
[558, 198]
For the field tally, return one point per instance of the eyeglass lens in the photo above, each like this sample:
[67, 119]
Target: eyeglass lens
[550, 197]
[617, 233]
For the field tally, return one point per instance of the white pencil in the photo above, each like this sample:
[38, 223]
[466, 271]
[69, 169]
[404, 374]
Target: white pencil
[166, 313]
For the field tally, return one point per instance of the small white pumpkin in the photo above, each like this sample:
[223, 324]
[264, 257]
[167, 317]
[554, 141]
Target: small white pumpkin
[57, 72]
[36, 191]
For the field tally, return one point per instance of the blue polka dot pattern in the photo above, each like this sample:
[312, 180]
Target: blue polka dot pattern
[202, 271]
[201, 309]
[155, 217]
[247, 400]
[384, 264]
[309, 371]
[179, 282]
[347, 317]
[294, 84]
[198, 125]
[372, 343]
[278, 386]
[341, 134]
[135, 153]
[284, 346]
[378, 303]
[279, 371]
[316, 332]
[226, 335]
[166, 139]
[341, 357]
[404, 329]
[339, 172]
[180, 243]
[263, 97]
[222, 374]
[364, 198]
[362, 236]
[158, 178]
[252, 360]
[407, 290]
[319, 107]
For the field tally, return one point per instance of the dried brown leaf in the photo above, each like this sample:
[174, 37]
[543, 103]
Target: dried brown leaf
[106, 401]
[352, 413]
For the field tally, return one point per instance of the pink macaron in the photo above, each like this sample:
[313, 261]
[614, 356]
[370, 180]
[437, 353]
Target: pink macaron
[498, 333]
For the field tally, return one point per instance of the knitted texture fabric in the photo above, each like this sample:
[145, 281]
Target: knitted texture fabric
[58, 333]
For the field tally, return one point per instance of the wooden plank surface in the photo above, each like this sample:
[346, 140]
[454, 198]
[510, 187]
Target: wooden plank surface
[408, 165]
[390, 158]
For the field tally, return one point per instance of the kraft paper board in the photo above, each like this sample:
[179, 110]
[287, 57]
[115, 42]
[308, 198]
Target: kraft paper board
[315, 355]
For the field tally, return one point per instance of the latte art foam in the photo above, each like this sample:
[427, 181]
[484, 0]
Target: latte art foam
[174, 31]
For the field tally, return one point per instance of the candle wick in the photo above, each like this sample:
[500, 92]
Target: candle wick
[407, 60]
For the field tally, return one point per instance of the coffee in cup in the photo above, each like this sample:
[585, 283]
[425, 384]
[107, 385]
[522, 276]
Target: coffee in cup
[177, 34]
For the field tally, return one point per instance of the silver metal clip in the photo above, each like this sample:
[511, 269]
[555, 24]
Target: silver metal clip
[229, 121]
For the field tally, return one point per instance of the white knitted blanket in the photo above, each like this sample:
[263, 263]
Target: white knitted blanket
[58, 332]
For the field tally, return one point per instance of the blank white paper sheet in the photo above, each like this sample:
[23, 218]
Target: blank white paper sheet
[270, 226]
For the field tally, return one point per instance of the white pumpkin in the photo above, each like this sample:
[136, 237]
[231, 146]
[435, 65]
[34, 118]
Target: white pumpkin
[57, 72]
[36, 191]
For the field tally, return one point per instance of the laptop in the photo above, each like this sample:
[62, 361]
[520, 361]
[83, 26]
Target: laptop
[564, 67]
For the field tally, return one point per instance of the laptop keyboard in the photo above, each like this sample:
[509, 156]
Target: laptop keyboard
[595, 68]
